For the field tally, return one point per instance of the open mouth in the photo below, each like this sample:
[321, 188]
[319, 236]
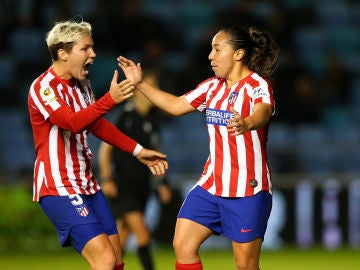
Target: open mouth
[86, 68]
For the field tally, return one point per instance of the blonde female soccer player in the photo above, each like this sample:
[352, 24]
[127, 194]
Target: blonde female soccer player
[63, 112]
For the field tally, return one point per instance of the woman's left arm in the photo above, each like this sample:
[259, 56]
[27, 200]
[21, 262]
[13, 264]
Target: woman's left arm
[259, 118]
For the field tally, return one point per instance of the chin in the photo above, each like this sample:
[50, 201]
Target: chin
[219, 76]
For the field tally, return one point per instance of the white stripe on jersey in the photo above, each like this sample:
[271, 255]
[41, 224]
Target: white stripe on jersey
[240, 192]
[81, 159]
[258, 155]
[54, 161]
[38, 104]
[41, 177]
[68, 159]
[75, 104]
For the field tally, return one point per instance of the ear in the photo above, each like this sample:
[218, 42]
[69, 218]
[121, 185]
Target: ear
[239, 54]
[63, 55]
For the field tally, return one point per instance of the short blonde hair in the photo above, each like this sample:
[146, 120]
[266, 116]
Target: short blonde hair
[65, 34]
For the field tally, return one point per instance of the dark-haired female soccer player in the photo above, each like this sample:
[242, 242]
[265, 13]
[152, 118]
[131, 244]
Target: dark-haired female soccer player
[233, 195]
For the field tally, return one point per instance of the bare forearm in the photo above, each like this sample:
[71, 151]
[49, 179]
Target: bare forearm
[167, 102]
[260, 117]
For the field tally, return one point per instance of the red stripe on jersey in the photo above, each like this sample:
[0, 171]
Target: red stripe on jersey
[265, 170]
[219, 154]
[249, 147]
[234, 173]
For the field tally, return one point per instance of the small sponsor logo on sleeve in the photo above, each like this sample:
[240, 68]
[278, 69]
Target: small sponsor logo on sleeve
[47, 95]
[259, 92]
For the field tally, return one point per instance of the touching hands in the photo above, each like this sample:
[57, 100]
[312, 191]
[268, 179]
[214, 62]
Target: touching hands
[154, 160]
[131, 70]
[120, 91]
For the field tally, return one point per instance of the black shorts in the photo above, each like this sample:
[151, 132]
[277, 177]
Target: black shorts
[128, 202]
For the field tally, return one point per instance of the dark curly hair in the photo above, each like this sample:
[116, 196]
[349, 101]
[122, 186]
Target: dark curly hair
[261, 50]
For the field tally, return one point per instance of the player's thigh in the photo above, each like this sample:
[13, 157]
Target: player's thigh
[189, 235]
[247, 253]
[99, 249]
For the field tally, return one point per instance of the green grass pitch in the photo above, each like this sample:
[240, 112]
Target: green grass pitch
[284, 259]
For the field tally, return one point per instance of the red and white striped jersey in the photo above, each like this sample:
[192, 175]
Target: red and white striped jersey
[62, 165]
[237, 165]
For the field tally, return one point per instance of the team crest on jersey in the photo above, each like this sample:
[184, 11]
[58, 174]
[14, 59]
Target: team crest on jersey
[48, 95]
[232, 98]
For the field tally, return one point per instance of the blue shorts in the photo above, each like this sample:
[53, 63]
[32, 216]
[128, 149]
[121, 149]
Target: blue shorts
[240, 219]
[79, 218]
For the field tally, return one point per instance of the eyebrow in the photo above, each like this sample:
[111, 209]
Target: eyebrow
[220, 43]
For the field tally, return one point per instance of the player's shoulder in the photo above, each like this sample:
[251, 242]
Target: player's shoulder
[46, 79]
[211, 80]
[207, 83]
[43, 85]
[257, 79]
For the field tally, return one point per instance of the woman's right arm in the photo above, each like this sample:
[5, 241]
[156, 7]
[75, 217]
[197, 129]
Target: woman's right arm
[173, 105]
[167, 102]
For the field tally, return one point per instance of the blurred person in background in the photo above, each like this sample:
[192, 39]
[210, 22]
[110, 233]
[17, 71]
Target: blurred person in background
[127, 193]
[233, 196]
[63, 111]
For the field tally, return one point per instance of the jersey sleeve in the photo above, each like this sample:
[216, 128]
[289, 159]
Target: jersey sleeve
[262, 93]
[67, 119]
[48, 99]
[197, 96]
[108, 133]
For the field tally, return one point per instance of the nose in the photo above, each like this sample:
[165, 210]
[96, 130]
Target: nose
[210, 57]
[92, 53]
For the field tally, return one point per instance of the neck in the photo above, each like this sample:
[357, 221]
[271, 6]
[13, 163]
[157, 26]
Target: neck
[60, 70]
[237, 76]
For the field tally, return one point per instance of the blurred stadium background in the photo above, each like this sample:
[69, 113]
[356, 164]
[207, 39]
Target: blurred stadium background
[314, 139]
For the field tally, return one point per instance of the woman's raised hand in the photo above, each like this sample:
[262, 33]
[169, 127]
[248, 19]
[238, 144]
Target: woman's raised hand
[131, 70]
[120, 91]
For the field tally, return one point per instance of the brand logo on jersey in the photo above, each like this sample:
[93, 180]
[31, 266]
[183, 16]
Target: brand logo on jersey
[245, 230]
[258, 92]
[232, 98]
[218, 117]
[47, 94]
